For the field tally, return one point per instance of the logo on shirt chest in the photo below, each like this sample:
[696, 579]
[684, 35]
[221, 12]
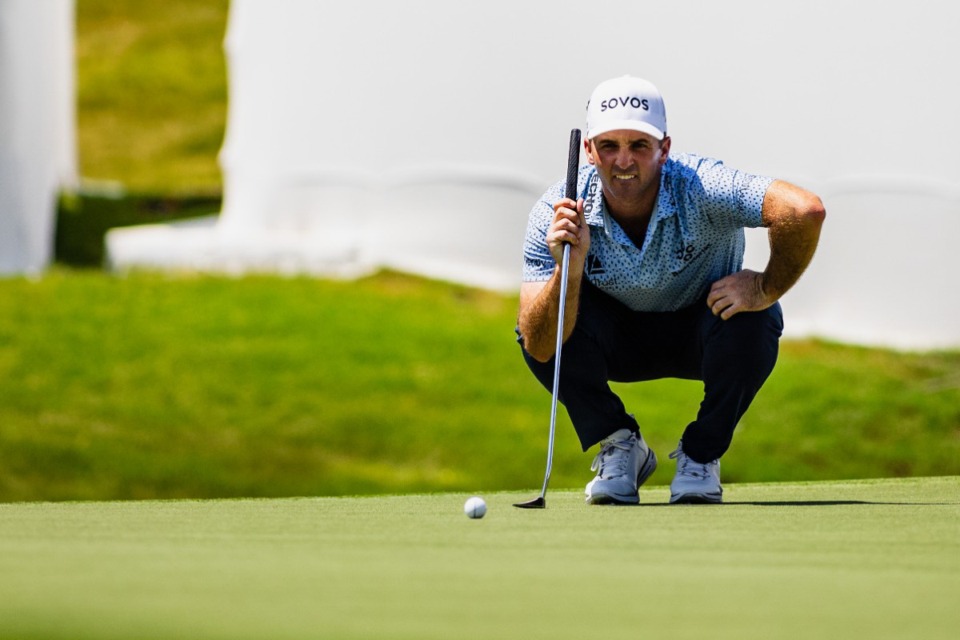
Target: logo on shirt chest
[594, 267]
[686, 255]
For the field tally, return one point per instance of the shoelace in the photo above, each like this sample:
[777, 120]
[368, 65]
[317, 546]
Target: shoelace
[613, 459]
[688, 467]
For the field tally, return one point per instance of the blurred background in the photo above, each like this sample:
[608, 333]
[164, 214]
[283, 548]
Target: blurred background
[349, 144]
[240, 250]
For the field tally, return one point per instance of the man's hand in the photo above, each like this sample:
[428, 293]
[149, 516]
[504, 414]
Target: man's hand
[539, 301]
[569, 227]
[741, 291]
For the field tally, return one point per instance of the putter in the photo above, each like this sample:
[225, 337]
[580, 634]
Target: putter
[573, 167]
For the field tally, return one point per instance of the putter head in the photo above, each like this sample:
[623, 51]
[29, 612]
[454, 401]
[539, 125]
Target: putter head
[537, 503]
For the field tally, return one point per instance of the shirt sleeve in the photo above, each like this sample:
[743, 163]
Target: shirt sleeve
[538, 263]
[731, 197]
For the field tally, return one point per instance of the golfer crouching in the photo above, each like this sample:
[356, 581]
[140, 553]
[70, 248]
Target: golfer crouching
[657, 289]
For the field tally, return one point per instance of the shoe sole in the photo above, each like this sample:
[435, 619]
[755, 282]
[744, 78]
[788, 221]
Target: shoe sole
[696, 498]
[605, 498]
[647, 467]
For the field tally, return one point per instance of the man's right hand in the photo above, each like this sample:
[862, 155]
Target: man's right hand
[569, 227]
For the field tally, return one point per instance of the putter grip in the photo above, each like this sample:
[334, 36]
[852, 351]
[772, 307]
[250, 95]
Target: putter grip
[573, 164]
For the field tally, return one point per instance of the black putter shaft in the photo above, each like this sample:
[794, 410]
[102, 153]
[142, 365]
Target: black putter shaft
[573, 168]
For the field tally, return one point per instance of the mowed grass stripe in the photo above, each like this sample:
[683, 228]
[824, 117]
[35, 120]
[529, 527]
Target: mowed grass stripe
[877, 559]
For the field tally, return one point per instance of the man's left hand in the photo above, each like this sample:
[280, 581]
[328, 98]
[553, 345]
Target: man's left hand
[741, 291]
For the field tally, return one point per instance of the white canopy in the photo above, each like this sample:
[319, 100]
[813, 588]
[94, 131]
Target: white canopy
[37, 130]
[418, 134]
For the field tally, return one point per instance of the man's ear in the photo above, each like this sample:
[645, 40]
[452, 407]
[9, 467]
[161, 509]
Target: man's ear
[664, 149]
[588, 151]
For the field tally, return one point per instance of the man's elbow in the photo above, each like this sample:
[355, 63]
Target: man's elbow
[812, 210]
[789, 206]
[540, 355]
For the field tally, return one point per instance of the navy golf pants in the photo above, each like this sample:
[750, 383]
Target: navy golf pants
[612, 343]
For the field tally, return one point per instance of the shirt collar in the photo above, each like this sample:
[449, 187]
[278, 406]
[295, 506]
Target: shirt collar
[595, 213]
[593, 209]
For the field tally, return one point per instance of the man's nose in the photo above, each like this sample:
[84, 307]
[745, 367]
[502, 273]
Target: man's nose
[623, 160]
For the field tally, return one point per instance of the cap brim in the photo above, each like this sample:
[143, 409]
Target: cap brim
[630, 125]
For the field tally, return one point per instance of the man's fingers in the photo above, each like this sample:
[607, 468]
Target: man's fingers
[721, 307]
[715, 294]
[568, 221]
[565, 230]
[721, 301]
[568, 227]
[572, 209]
[565, 203]
[729, 312]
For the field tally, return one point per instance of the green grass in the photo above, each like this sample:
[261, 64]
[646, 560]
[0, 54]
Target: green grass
[152, 93]
[877, 560]
[153, 386]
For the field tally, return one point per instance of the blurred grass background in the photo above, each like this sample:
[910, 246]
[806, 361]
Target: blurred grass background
[156, 386]
[152, 93]
[152, 386]
[151, 115]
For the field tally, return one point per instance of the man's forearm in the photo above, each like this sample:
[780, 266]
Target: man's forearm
[790, 253]
[795, 218]
[539, 315]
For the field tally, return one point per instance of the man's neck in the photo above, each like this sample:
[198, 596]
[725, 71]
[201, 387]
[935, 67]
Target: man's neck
[633, 216]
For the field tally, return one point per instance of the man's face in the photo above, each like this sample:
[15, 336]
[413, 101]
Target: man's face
[628, 162]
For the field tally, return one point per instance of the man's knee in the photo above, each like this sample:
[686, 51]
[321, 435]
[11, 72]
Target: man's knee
[751, 339]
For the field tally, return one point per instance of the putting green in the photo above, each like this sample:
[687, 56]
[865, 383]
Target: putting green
[870, 559]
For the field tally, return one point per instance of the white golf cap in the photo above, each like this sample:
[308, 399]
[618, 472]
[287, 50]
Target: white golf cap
[626, 103]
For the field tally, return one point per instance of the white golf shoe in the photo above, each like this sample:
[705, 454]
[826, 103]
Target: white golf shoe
[694, 482]
[622, 465]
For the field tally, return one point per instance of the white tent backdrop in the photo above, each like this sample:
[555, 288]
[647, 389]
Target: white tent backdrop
[418, 134]
[37, 138]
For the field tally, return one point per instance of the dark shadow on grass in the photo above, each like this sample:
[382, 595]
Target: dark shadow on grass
[803, 503]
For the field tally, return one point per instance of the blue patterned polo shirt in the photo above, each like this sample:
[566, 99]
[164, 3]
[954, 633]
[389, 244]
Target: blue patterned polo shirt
[694, 238]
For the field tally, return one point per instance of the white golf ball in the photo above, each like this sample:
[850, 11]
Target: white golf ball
[475, 507]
